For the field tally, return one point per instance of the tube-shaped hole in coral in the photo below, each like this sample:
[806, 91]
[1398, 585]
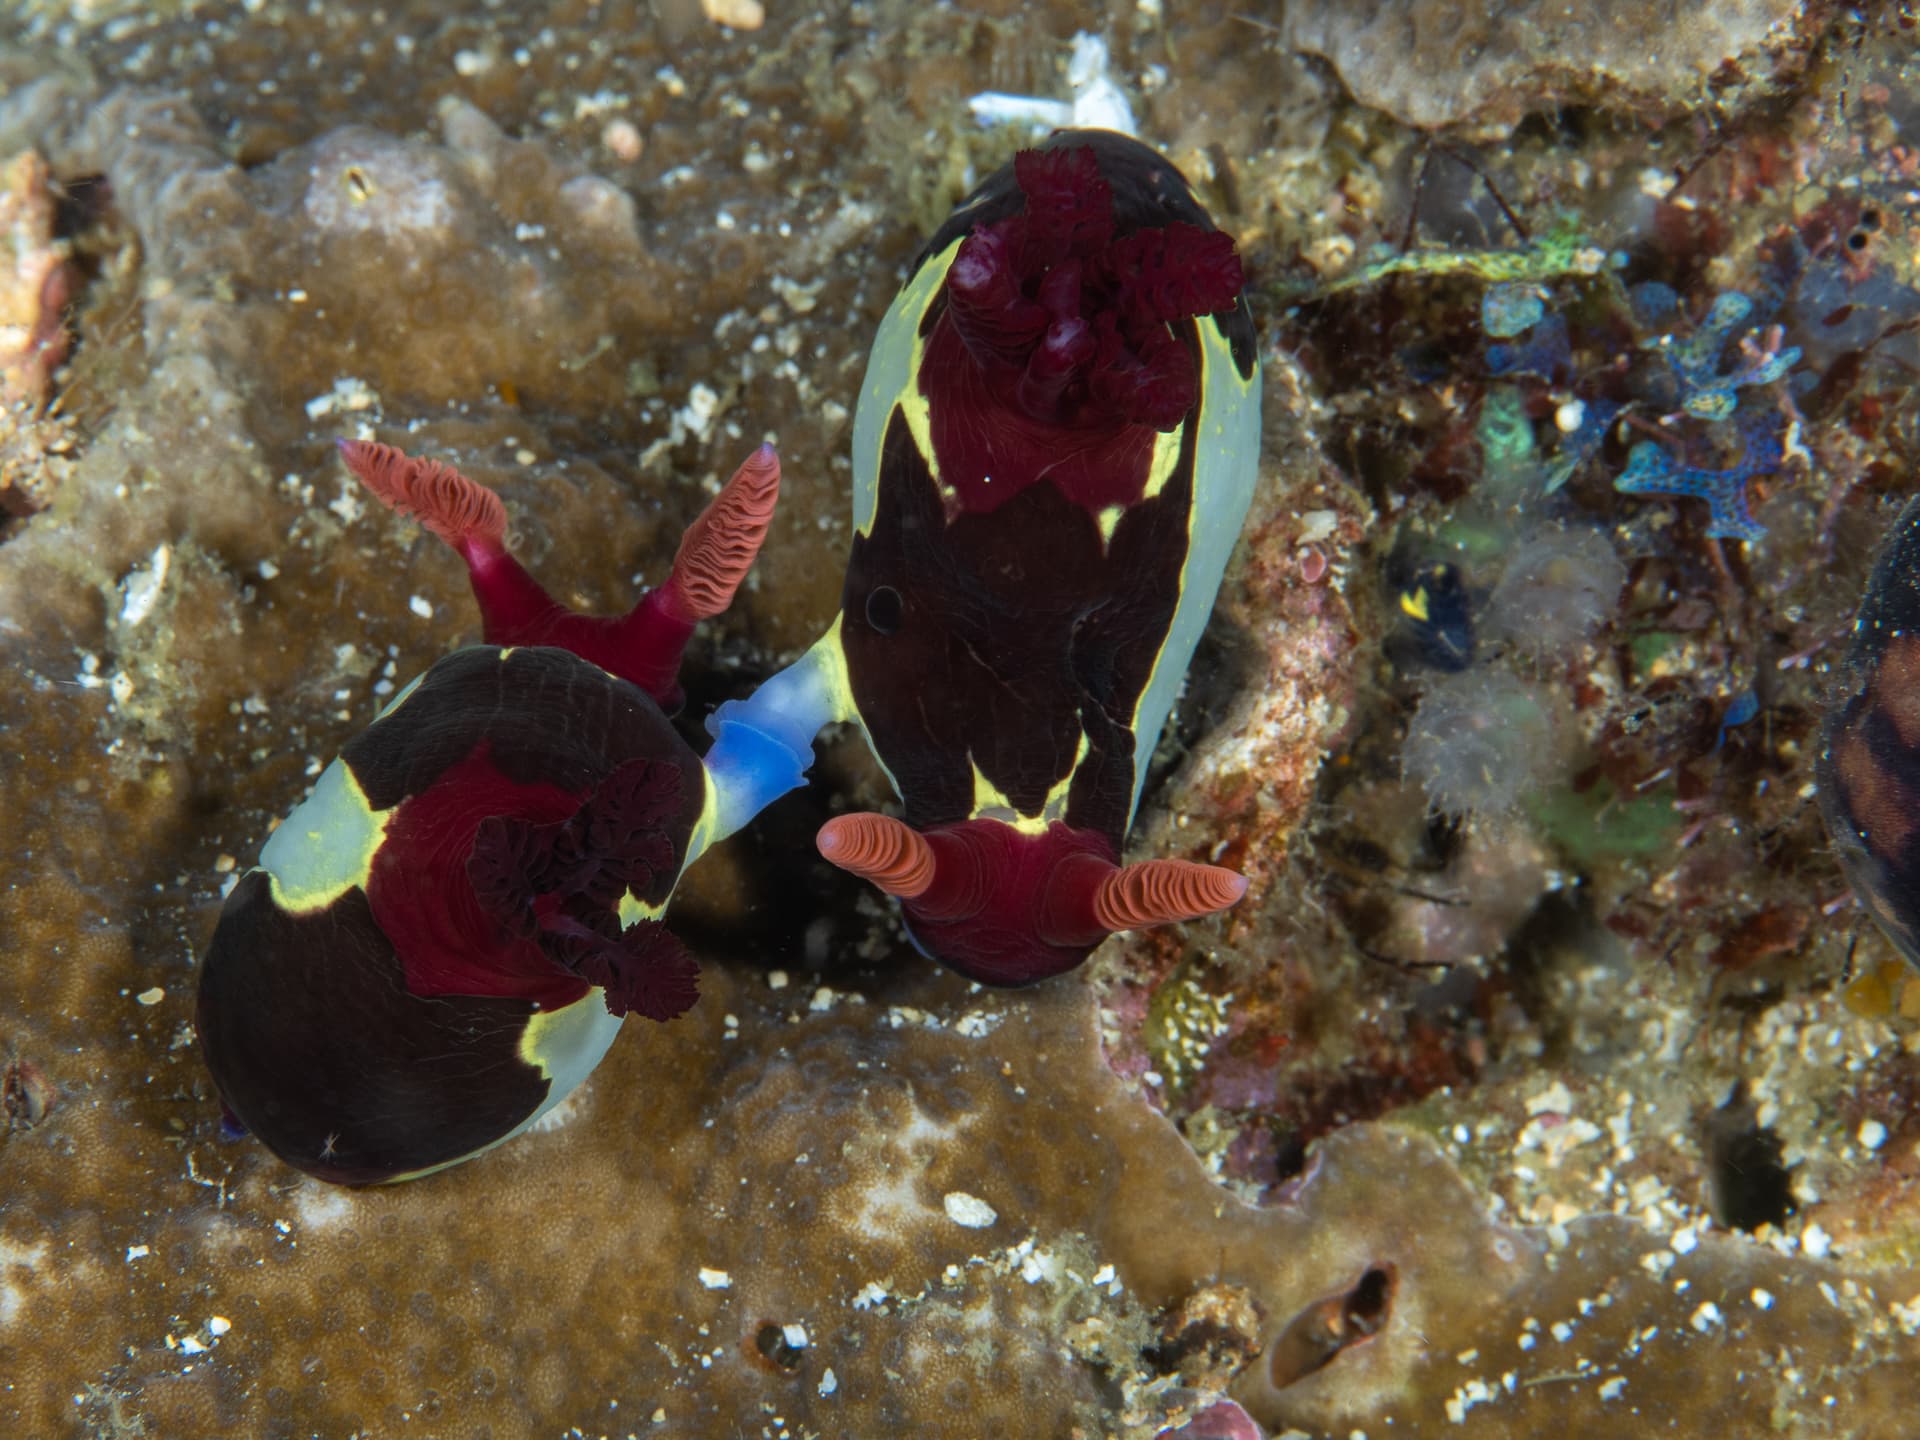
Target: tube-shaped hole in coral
[774, 1346]
[1748, 1182]
[1326, 1327]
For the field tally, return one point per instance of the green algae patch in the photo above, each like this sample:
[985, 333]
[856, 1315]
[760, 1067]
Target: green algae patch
[1596, 825]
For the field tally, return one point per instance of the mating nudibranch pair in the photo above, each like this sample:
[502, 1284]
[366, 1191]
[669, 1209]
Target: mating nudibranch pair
[1055, 446]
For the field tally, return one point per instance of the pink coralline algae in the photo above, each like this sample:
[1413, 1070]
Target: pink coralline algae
[35, 283]
[1222, 1421]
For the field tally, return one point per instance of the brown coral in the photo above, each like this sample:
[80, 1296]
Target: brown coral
[834, 1199]
[1437, 65]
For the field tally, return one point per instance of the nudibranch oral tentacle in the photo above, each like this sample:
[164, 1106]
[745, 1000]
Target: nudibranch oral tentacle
[440, 942]
[1056, 443]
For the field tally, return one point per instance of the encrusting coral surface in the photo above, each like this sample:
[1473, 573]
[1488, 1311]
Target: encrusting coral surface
[1592, 1115]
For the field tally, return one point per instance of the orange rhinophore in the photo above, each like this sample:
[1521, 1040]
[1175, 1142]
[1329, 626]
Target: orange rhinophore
[1031, 902]
[1158, 892]
[880, 850]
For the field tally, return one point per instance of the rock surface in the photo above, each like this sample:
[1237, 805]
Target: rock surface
[1439, 66]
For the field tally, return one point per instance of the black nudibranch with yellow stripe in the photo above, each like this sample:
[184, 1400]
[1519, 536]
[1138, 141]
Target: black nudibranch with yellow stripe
[1056, 443]
[439, 943]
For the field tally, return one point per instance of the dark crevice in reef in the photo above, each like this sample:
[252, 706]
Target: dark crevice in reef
[1211, 1331]
[1557, 928]
[1326, 1327]
[81, 203]
[1568, 124]
[84, 222]
[771, 1344]
[1748, 1185]
[788, 909]
[1445, 193]
[1225, 666]
[783, 907]
[1436, 1048]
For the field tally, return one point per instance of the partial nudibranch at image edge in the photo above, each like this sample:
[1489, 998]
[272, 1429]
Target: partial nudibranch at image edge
[1056, 443]
[440, 942]
[1868, 769]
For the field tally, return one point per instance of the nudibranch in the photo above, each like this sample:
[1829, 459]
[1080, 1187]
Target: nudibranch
[439, 943]
[1868, 771]
[1056, 442]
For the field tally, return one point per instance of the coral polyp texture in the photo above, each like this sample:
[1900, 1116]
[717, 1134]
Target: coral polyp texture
[1589, 1111]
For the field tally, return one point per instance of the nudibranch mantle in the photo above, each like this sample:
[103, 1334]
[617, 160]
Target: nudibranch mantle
[1056, 442]
[440, 942]
[1868, 769]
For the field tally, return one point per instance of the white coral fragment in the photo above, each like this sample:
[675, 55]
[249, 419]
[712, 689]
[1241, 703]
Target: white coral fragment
[735, 14]
[969, 1210]
[141, 590]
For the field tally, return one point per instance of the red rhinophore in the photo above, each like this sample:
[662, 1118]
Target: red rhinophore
[1054, 356]
[643, 646]
[462, 512]
[719, 547]
[1008, 907]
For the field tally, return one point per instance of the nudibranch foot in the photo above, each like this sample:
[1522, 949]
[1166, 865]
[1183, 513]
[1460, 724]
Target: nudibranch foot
[646, 644]
[1009, 907]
